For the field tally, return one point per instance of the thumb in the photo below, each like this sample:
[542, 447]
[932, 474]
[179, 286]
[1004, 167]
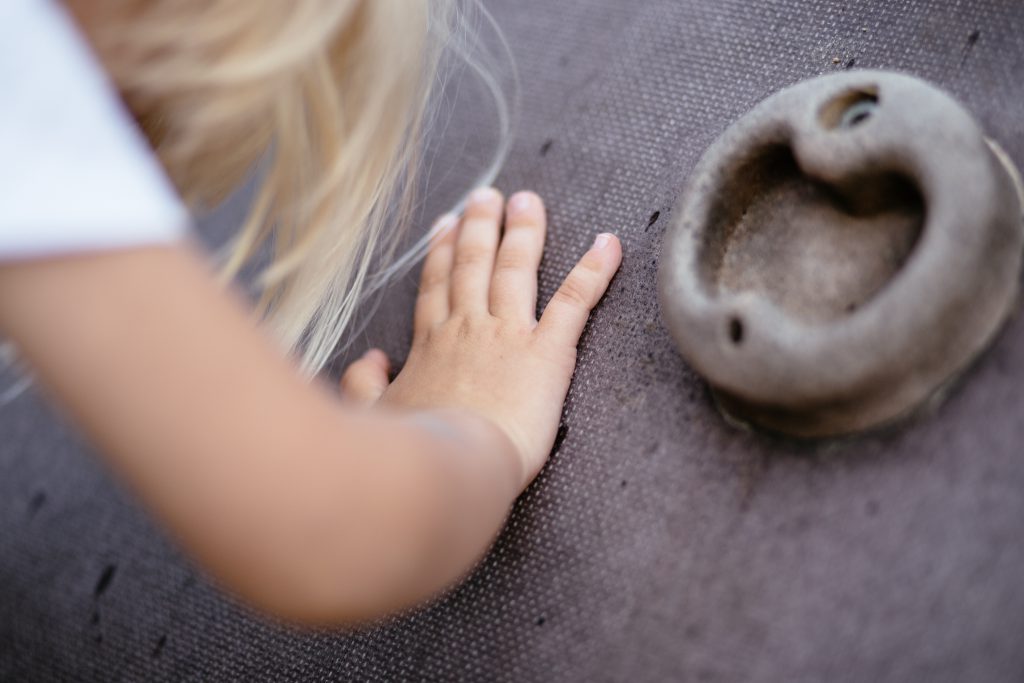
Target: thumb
[365, 380]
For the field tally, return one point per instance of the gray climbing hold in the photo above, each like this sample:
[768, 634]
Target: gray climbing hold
[841, 253]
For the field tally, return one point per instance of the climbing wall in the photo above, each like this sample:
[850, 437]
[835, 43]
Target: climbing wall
[660, 543]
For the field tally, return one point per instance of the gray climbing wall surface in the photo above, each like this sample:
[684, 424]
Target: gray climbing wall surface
[660, 544]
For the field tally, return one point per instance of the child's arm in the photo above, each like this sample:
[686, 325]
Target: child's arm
[308, 508]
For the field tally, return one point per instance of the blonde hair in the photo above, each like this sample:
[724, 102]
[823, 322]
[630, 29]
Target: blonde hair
[327, 100]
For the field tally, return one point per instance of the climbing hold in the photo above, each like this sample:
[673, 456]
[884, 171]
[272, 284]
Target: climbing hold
[841, 253]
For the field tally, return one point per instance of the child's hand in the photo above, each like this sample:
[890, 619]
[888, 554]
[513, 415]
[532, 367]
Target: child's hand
[477, 344]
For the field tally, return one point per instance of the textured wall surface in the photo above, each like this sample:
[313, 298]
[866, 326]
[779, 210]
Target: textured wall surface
[660, 543]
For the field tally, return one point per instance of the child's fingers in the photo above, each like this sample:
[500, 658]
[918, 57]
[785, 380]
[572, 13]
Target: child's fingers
[365, 380]
[432, 304]
[514, 286]
[474, 251]
[567, 313]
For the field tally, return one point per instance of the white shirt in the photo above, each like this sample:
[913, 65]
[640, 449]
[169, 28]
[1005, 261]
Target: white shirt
[76, 174]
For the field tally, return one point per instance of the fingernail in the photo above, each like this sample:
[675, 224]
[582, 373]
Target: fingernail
[521, 202]
[483, 195]
[446, 222]
[377, 356]
[602, 240]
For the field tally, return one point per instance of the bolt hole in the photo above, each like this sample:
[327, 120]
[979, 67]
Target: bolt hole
[736, 331]
[851, 109]
[858, 114]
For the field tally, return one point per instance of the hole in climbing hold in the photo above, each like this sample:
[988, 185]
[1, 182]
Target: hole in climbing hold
[736, 330]
[850, 109]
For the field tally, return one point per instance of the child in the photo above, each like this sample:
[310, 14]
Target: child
[311, 507]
